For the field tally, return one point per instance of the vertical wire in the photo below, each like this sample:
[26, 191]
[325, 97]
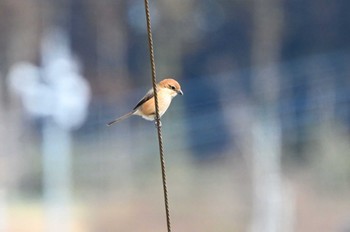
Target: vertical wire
[158, 122]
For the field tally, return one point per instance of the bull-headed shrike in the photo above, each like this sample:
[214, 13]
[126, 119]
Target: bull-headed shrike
[167, 89]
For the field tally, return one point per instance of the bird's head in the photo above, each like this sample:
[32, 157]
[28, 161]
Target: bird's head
[172, 85]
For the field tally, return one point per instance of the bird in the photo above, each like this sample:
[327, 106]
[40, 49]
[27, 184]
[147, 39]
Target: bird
[167, 89]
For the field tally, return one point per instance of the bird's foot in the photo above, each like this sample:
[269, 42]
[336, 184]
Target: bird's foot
[160, 123]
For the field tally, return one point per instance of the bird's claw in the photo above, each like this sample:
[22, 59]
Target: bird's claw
[155, 123]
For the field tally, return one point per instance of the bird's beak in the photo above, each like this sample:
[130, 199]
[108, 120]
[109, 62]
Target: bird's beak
[180, 92]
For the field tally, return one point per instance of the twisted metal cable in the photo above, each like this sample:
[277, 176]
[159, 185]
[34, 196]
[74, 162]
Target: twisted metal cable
[158, 122]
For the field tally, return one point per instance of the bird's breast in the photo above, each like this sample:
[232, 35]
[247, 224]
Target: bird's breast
[164, 101]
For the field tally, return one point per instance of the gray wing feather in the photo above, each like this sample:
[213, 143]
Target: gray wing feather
[148, 96]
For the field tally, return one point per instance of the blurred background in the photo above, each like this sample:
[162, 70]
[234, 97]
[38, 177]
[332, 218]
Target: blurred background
[259, 142]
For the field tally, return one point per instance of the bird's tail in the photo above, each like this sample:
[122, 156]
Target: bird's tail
[121, 118]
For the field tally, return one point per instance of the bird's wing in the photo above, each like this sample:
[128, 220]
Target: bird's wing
[148, 96]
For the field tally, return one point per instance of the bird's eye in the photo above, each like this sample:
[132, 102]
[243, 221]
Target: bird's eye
[172, 87]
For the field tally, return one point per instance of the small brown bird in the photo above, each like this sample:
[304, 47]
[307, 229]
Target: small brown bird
[167, 89]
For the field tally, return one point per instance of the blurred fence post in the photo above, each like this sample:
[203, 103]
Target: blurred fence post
[56, 148]
[266, 126]
[266, 172]
[70, 96]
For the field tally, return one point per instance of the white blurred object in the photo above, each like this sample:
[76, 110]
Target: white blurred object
[24, 80]
[62, 73]
[58, 89]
